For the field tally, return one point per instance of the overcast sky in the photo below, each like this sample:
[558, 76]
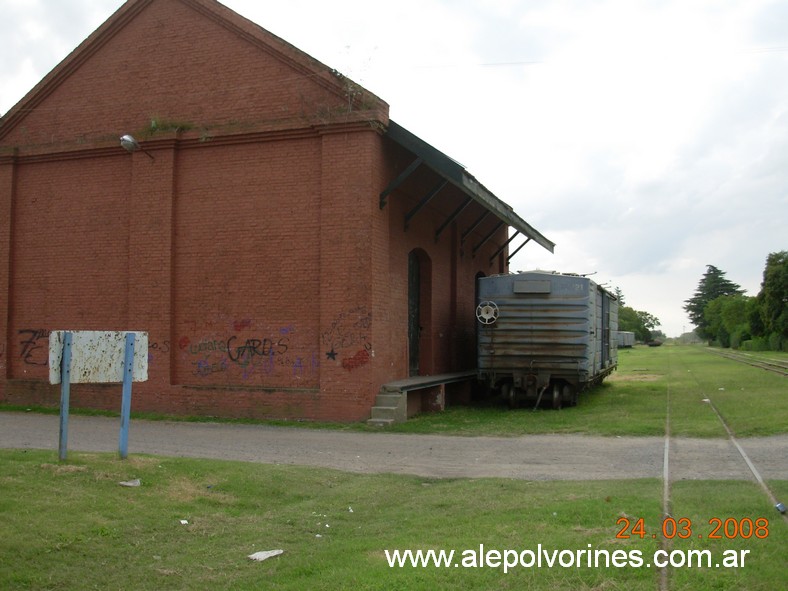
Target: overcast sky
[646, 138]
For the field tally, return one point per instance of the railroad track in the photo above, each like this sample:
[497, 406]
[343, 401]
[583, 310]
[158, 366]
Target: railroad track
[773, 365]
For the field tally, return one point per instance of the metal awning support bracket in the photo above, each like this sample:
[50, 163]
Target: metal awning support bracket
[399, 180]
[509, 258]
[475, 225]
[505, 244]
[452, 217]
[427, 198]
[486, 238]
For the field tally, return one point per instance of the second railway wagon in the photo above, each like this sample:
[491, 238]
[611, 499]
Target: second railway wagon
[625, 339]
[544, 337]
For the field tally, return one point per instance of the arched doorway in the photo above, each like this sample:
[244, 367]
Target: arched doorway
[419, 313]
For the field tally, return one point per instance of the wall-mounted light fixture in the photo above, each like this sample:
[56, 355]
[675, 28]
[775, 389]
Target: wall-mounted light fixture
[132, 145]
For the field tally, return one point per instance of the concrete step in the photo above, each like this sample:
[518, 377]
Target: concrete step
[382, 423]
[385, 412]
[393, 399]
[390, 407]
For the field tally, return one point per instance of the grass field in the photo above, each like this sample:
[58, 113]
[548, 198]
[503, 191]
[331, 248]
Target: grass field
[71, 525]
[633, 401]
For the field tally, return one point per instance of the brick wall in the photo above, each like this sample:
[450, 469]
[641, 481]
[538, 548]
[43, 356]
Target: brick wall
[251, 247]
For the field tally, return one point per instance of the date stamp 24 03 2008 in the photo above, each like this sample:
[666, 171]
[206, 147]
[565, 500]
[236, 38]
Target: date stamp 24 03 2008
[716, 529]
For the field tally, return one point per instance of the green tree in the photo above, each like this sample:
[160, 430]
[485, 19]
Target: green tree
[712, 285]
[727, 320]
[714, 329]
[631, 320]
[754, 317]
[641, 323]
[773, 298]
[628, 319]
[647, 320]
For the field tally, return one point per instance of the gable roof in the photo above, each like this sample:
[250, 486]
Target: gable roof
[355, 99]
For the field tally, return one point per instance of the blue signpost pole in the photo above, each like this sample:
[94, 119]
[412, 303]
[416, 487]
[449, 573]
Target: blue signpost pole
[125, 405]
[65, 392]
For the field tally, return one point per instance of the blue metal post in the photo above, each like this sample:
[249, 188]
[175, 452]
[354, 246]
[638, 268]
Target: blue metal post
[125, 405]
[65, 392]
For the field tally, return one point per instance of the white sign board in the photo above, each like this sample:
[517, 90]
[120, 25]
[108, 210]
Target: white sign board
[97, 356]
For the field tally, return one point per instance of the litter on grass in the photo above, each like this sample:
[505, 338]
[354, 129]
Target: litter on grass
[265, 555]
[135, 482]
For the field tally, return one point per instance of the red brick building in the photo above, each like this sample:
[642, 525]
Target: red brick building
[274, 236]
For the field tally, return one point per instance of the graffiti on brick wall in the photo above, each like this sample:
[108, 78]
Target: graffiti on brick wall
[35, 346]
[157, 349]
[211, 355]
[249, 356]
[302, 366]
[347, 339]
[205, 367]
[357, 360]
[246, 353]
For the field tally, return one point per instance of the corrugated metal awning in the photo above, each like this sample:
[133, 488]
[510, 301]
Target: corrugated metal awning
[455, 173]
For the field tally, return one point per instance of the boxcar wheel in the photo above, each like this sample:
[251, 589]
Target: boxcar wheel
[509, 394]
[569, 395]
[557, 396]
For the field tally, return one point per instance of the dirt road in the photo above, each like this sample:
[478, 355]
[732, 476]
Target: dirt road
[532, 457]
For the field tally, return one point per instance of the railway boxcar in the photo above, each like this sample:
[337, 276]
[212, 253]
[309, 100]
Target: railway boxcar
[625, 339]
[544, 337]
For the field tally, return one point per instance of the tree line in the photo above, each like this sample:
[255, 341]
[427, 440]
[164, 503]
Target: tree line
[723, 315]
[643, 324]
